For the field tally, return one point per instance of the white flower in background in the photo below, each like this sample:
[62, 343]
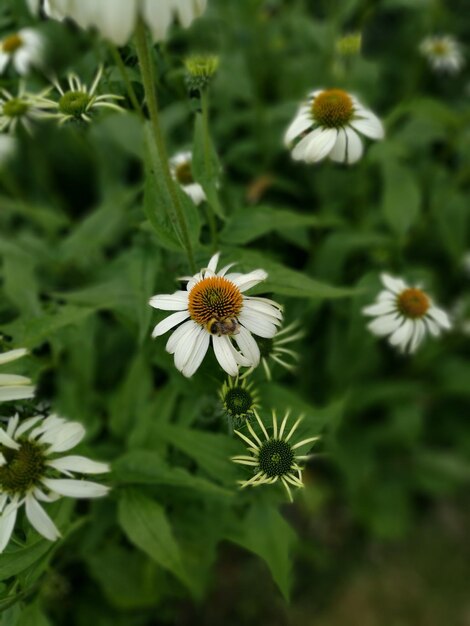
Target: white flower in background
[116, 19]
[443, 53]
[24, 109]
[8, 147]
[328, 124]
[24, 49]
[405, 314]
[78, 102]
[273, 457]
[31, 466]
[12, 386]
[214, 307]
[182, 172]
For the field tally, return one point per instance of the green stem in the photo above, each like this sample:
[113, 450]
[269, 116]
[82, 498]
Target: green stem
[208, 167]
[125, 76]
[148, 79]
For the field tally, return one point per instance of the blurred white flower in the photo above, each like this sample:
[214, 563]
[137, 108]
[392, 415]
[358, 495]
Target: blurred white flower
[12, 386]
[8, 146]
[214, 307]
[22, 110]
[30, 462]
[116, 19]
[24, 49]
[77, 102]
[327, 125]
[405, 314]
[181, 170]
[444, 53]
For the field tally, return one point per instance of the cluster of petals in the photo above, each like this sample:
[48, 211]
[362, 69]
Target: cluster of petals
[51, 435]
[27, 51]
[190, 341]
[116, 19]
[14, 386]
[403, 331]
[312, 141]
[443, 52]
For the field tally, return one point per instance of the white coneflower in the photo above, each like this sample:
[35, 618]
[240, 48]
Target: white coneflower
[443, 52]
[22, 110]
[239, 400]
[327, 125]
[182, 172]
[273, 457]
[214, 307]
[12, 386]
[24, 49]
[116, 19]
[30, 470]
[78, 102]
[405, 314]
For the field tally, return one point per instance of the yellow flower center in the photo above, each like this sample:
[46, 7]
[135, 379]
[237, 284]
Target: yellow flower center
[23, 468]
[440, 48]
[12, 43]
[333, 108]
[216, 303]
[413, 303]
[184, 174]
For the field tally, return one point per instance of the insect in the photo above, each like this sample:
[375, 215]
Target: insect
[229, 326]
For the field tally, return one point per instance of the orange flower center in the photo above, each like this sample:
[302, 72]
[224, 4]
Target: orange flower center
[11, 44]
[216, 302]
[440, 48]
[413, 303]
[333, 108]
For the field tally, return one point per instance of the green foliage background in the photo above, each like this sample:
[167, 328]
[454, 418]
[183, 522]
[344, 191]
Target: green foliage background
[176, 543]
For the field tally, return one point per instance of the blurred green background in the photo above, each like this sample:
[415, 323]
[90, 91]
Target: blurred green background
[379, 536]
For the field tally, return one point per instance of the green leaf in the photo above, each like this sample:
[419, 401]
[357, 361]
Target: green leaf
[146, 525]
[16, 561]
[401, 199]
[146, 468]
[285, 281]
[266, 533]
[254, 222]
[205, 165]
[211, 451]
[33, 616]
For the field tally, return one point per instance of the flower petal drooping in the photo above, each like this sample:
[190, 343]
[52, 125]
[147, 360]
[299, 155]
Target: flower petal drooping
[405, 315]
[13, 386]
[29, 471]
[329, 124]
[215, 308]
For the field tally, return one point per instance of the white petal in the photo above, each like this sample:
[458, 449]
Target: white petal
[380, 308]
[248, 346]
[27, 424]
[16, 393]
[354, 147]
[169, 322]
[63, 437]
[264, 306]
[40, 520]
[258, 323]
[197, 355]
[158, 16]
[12, 355]
[115, 23]
[385, 324]
[75, 488]
[247, 281]
[402, 335]
[13, 380]
[79, 464]
[418, 336]
[184, 349]
[195, 192]
[177, 301]
[369, 125]
[7, 524]
[6, 440]
[397, 285]
[214, 262]
[180, 335]
[224, 355]
[300, 125]
[322, 141]
[440, 317]
[433, 327]
[338, 154]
